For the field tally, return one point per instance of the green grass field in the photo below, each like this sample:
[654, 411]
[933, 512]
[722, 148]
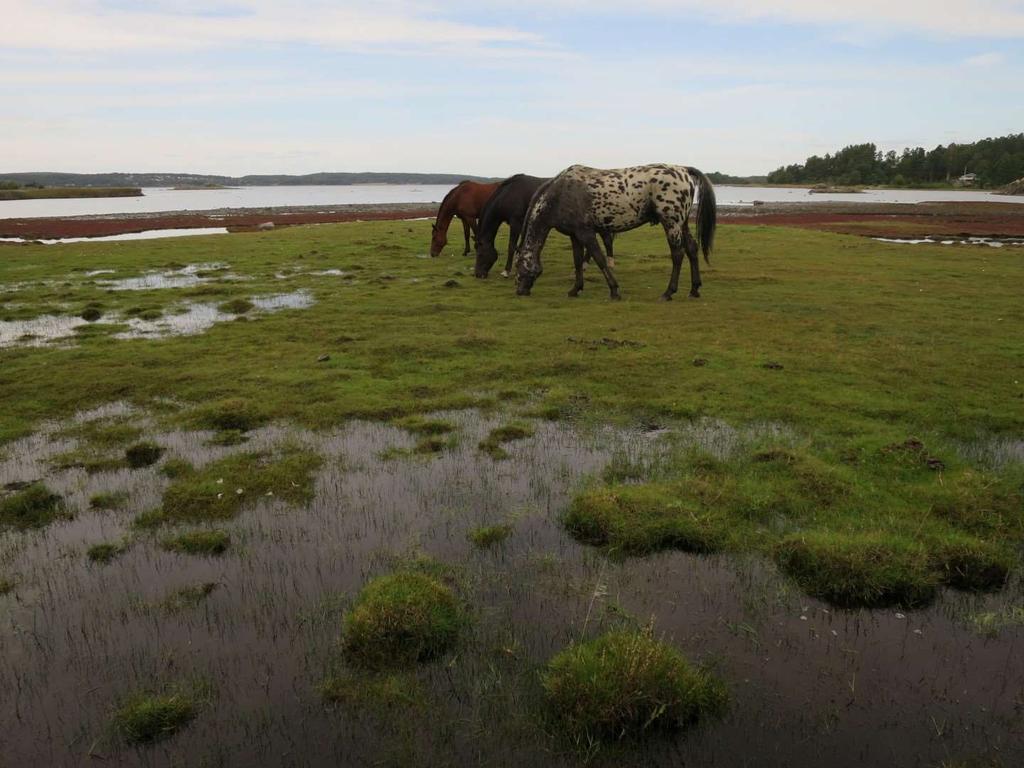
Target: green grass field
[896, 373]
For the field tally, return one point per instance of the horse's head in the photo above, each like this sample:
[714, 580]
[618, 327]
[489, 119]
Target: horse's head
[438, 240]
[486, 255]
[528, 269]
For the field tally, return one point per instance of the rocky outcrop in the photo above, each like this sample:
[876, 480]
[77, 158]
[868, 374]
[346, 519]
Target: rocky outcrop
[1013, 188]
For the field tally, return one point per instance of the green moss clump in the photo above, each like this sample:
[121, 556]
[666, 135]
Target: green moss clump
[489, 535]
[143, 454]
[6, 585]
[639, 519]
[493, 444]
[106, 551]
[108, 500]
[219, 490]
[207, 542]
[854, 570]
[33, 507]
[401, 618]
[231, 414]
[91, 314]
[626, 683]
[237, 306]
[149, 717]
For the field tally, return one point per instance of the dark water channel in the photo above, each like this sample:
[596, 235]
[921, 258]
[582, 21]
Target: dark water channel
[809, 685]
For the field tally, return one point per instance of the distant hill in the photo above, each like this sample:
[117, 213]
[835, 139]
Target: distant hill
[51, 179]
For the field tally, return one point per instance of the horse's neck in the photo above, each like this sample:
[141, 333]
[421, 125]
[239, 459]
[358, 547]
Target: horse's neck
[535, 232]
[446, 212]
[490, 220]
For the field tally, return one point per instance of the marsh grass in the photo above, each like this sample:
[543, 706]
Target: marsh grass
[231, 414]
[384, 690]
[221, 489]
[494, 444]
[624, 684]
[400, 619]
[237, 306]
[107, 551]
[228, 437]
[487, 536]
[187, 597]
[992, 623]
[151, 716]
[176, 468]
[424, 426]
[205, 542]
[34, 507]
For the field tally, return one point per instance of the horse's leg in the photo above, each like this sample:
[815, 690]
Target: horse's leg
[691, 253]
[513, 242]
[465, 232]
[676, 240]
[594, 249]
[577, 261]
[608, 238]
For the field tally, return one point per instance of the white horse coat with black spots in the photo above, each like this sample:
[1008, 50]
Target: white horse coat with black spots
[583, 201]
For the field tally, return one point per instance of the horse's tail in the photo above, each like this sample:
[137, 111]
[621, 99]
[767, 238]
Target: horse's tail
[707, 213]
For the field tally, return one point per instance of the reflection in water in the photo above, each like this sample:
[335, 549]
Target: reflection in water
[991, 242]
[149, 234]
[809, 685]
[186, 277]
[38, 331]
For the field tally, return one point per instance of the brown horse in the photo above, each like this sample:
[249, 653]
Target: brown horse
[466, 201]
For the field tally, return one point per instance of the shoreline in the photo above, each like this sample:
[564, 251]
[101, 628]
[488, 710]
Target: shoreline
[988, 219]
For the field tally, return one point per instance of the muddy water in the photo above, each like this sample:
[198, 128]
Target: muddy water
[810, 686]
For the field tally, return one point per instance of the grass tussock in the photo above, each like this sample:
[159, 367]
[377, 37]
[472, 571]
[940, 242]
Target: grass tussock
[237, 306]
[205, 542]
[992, 623]
[400, 619]
[147, 717]
[108, 500]
[221, 489]
[487, 536]
[176, 468]
[106, 551]
[494, 444]
[7, 586]
[231, 414]
[626, 683]
[33, 507]
[859, 569]
[143, 454]
[420, 425]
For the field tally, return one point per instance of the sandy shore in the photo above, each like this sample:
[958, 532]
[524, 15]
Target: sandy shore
[873, 219]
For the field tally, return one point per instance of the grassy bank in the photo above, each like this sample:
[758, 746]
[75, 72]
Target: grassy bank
[50, 193]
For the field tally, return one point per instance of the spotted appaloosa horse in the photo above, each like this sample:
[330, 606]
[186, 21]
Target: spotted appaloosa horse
[582, 201]
[508, 205]
[466, 200]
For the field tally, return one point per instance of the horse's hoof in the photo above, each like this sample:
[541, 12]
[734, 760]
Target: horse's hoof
[666, 297]
[615, 297]
[694, 295]
[573, 294]
[504, 273]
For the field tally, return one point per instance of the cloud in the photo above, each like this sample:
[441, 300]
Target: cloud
[96, 25]
[985, 60]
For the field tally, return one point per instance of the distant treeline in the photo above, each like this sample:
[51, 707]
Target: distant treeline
[996, 162]
[47, 179]
[48, 193]
[725, 178]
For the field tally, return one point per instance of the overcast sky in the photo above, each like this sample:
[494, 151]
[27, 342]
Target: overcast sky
[494, 88]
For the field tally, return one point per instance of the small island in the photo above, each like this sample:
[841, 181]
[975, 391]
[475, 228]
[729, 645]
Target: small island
[192, 187]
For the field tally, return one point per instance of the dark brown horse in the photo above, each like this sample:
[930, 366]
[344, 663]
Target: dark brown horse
[508, 205]
[466, 201]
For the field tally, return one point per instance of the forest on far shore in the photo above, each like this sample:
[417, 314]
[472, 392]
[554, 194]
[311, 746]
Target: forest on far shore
[996, 163]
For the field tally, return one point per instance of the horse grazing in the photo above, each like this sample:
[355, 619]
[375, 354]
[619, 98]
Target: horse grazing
[582, 201]
[466, 200]
[508, 205]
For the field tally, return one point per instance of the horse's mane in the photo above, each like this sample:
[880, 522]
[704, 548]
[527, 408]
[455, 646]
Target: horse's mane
[451, 192]
[506, 182]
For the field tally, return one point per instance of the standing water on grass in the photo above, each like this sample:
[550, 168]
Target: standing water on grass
[261, 622]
